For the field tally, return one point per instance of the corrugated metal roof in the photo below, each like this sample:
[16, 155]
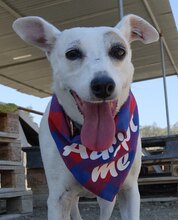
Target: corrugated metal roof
[33, 74]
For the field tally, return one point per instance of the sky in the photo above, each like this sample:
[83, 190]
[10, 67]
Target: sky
[174, 7]
[149, 95]
[151, 102]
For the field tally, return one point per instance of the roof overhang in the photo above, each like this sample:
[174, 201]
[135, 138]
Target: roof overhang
[32, 75]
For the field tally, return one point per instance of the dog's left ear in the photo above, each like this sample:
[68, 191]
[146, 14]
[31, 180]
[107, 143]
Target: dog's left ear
[136, 28]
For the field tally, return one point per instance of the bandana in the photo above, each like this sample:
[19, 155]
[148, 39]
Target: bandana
[102, 173]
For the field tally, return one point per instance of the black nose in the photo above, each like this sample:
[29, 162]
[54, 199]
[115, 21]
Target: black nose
[102, 87]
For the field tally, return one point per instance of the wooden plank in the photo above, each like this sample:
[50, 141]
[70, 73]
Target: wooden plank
[10, 163]
[10, 216]
[17, 200]
[9, 122]
[153, 160]
[10, 151]
[158, 141]
[7, 140]
[13, 178]
[12, 167]
[13, 192]
[12, 143]
[22, 204]
[156, 168]
[8, 135]
[160, 199]
[157, 180]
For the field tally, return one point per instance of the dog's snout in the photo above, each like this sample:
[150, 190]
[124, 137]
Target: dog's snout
[102, 87]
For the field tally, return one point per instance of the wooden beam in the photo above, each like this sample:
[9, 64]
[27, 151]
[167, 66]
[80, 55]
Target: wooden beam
[157, 180]
[9, 9]
[150, 12]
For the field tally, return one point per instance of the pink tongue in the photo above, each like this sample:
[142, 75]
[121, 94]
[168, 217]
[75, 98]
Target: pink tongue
[98, 130]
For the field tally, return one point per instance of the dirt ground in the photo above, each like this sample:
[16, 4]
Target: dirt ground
[149, 211]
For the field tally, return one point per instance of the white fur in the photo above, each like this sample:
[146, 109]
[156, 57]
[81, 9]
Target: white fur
[77, 75]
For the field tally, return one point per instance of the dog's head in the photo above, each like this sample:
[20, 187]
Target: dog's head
[92, 70]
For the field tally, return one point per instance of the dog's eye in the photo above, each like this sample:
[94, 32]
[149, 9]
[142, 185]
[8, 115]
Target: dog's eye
[117, 52]
[74, 54]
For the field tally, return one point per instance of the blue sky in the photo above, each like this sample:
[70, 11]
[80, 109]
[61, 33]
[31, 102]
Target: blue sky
[174, 7]
[151, 102]
[149, 95]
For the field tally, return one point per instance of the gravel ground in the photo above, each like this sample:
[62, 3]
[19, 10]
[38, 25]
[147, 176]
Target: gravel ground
[149, 211]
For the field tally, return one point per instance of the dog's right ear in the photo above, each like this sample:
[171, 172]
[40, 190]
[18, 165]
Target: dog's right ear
[36, 31]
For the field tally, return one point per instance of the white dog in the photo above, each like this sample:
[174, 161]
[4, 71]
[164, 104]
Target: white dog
[89, 135]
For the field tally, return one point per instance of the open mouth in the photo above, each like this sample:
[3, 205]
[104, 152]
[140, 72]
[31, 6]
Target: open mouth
[98, 130]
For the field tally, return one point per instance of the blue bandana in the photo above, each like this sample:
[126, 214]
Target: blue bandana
[102, 173]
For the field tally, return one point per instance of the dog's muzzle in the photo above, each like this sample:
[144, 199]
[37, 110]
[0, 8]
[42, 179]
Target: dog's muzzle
[98, 129]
